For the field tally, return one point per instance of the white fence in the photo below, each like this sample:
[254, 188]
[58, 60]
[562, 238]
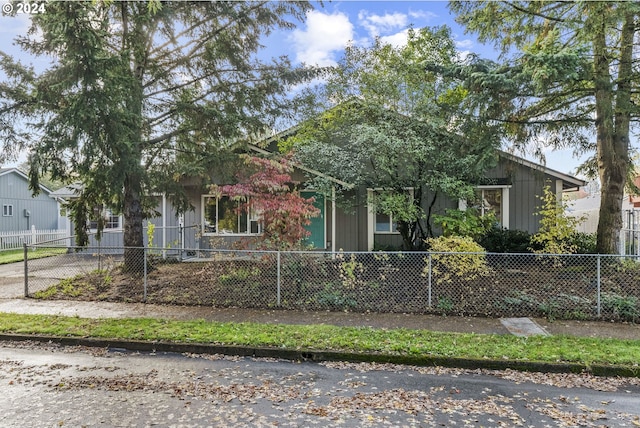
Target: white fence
[15, 239]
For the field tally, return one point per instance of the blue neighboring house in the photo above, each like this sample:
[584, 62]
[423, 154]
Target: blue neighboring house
[21, 210]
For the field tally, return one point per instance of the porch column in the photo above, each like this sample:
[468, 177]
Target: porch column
[333, 219]
[371, 219]
[505, 208]
[164, 225]
[559, 191]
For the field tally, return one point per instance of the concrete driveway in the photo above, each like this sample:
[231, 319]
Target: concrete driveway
[45, 272]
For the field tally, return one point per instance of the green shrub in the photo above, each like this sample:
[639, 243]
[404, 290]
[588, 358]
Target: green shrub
[499, 240]
[465, 223]
[332, 297]
[584, 243]
[625, 308]
[350, 271]
[446, 267]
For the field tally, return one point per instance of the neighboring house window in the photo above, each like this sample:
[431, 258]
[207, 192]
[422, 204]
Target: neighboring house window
[221, 216]
[7, 210]
[111, 220]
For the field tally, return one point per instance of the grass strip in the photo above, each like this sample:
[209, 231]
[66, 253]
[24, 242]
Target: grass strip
[14, 256]
[550, 349]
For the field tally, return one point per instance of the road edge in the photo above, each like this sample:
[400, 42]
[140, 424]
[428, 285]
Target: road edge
[320, 355]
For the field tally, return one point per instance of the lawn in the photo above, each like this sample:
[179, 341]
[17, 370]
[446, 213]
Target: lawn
[397, 342]
[13, 256]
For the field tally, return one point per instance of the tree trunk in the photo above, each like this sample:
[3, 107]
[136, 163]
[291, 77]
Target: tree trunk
[133, 234]
[405, 230]
[133, 39]
[612, 130]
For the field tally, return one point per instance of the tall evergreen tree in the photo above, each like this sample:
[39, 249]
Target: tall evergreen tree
[568, 69]
[140, 92]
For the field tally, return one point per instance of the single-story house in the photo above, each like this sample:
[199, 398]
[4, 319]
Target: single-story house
[21, 210]
[511, 190]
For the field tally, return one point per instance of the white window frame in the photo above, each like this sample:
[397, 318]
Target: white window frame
[108, 215]
[504, 203]
[7, 210]
[252, 217]
[391, 230]
[372, 211]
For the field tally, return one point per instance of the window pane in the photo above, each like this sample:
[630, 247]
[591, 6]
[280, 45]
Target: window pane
[210, 214]
[243, 222]
[491, 201]
[383, 223]
[113, 222]
[227, 215]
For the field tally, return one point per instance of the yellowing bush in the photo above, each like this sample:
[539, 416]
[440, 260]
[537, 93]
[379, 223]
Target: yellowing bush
[458, 262]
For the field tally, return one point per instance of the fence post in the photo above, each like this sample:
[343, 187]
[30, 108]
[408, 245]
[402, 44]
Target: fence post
[429, 276]
[144, 293]
[599, 282]
[34, 235]
[278, 278]
[26, 270]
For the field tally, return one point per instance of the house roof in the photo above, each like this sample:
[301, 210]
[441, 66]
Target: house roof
[18, 172]
[68, 191]
[302, 167]
[569, 182]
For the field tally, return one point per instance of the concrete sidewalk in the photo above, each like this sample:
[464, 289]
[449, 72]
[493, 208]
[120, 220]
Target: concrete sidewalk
[81, 309]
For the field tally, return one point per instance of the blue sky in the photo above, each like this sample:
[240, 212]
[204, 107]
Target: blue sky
[325, 32]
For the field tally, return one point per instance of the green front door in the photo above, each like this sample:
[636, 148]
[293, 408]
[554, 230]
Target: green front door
[317, 238]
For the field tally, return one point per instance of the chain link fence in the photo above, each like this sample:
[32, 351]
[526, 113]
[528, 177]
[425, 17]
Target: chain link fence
[476, 284]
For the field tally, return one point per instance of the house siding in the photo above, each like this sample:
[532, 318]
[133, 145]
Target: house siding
[43, 210]
[348, 224]
[172, 237]
[524, 196]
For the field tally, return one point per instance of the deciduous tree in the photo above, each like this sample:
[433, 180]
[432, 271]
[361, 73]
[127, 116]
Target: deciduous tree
[392, 125]
[265, 187]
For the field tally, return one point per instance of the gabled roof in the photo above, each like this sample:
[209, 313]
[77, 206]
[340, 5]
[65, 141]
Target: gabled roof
[69, 191]
[302, 167]
[569, 182]
[7, 171]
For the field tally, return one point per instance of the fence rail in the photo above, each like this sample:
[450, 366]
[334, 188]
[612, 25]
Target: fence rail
[480, 284]
[16, 239]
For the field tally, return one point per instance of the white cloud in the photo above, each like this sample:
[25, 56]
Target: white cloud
[382, 24]
[464, 44]
[396, 40]
[421, 14]
[323, 37]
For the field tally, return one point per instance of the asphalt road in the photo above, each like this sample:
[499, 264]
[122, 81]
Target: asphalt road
[52, 386]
